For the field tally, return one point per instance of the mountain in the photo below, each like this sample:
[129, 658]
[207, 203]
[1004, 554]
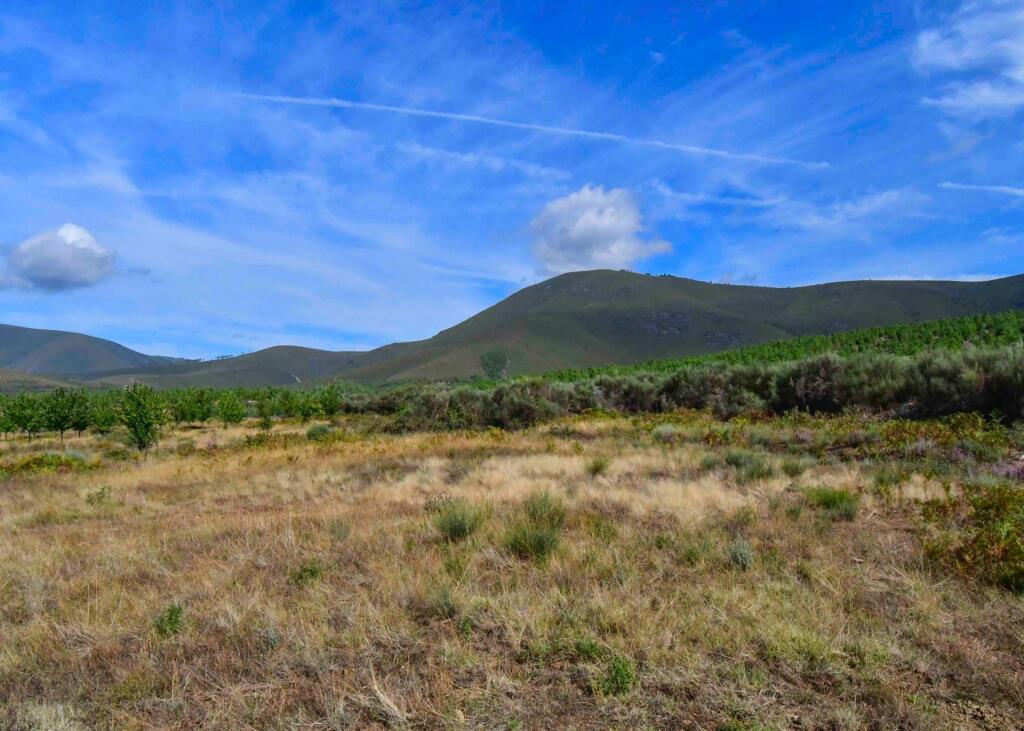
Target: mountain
[574, 320]
[282, 365]
[67, 354]
[613, 317]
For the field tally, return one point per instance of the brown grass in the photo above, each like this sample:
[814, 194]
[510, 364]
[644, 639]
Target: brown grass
[317, 594]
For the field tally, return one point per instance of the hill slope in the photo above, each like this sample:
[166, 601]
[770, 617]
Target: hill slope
[608, 317]
[54, 352]
[577, 320]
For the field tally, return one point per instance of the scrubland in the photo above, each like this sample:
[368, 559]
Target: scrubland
[662, 571]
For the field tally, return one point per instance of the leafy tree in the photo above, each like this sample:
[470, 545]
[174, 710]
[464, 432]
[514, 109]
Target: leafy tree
[307, 406]
[265, 409]
[192, 406]
[6, 421]
[230, 408]
[287, 403]
[104, 411]
[495, 364]
[331, 397]
[142, 413]
[26, 413]
[81, 412]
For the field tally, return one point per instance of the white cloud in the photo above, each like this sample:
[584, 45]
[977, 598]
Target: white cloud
[57, 260]
[1004, 189]
[698, 150]
[592, 229]
[984, 42]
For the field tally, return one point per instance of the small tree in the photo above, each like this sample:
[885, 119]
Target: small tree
[230, 408]
[27, 414]
[81, 412]
[104, 411]
[57, 409]
[331, 397]
[265, 410]
[6, 421]
[495, 364]
[142, 413]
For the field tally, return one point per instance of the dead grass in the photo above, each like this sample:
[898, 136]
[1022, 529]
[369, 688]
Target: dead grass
[316, 592]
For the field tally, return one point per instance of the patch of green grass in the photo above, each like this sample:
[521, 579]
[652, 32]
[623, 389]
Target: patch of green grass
[837, 503]
[537, 533]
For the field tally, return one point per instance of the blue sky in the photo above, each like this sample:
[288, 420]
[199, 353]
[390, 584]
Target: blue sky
[202, 181]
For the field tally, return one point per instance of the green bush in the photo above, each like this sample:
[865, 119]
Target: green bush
[307, 573]
[619, 677]
[320, 433]
[989, 535]
[170, 621]
[458, 519]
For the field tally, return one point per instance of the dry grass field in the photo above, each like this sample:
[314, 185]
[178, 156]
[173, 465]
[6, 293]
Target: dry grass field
[604, 572]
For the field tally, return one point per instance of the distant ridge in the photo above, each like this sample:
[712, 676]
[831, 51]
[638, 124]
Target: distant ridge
[577, 320]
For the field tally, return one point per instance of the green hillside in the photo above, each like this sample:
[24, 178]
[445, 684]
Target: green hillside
[54, 352]
[12, 382]
[579, 320]
[599, 318]
[981, 331]
[284, 365]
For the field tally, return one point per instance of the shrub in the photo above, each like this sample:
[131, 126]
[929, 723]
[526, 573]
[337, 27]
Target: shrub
[666, 433]
[796, 466]
[543, 509]
[991, 540]
[619, 677]
[319, 433]
[749, 466]
[457, 519]
[836, 503]
[307, 573]
[598, 466]
[170, 621]
[741, 553]
[537, 534]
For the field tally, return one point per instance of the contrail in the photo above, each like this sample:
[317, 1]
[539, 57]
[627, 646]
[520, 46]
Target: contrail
[1005, 189]
[564, 131]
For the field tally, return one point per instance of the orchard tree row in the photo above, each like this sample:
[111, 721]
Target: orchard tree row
[142, 411]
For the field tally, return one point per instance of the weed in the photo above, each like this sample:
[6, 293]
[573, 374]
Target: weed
[619, 677]
[741, 553]
[598, 466]
[306, 573]
[339, 529]
[170, 621]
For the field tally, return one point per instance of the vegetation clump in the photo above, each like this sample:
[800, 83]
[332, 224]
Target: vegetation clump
[537, 532]
[457, 519]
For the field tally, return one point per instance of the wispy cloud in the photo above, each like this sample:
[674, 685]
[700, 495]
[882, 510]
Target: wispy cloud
[1003, 189]
[531, 127]
[983, 44]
